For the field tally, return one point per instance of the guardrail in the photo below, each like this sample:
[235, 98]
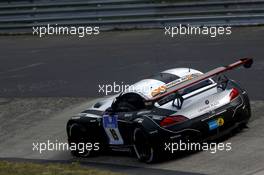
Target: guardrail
[21, 16]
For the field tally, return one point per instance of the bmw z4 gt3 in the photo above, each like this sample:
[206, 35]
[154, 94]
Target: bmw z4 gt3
[175, 105]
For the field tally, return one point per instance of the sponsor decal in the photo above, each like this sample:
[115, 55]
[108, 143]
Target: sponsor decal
[213, 124]
[209, 107]
[110, 124]
[220, 121]
[158, 91]
[163, 88]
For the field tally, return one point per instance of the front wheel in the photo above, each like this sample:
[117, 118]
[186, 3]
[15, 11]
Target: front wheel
[79, 139]
[144, 150]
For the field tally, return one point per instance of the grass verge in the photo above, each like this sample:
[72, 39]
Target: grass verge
[26, 168]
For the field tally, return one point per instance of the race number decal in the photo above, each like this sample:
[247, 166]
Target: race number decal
[111, 128]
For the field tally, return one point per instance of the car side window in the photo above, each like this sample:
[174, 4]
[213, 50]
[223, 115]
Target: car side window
[129, 102]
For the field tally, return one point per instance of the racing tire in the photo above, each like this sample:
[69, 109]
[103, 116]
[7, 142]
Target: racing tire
[78, 135]
[145, 152]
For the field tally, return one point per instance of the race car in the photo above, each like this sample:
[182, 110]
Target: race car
[180, 104]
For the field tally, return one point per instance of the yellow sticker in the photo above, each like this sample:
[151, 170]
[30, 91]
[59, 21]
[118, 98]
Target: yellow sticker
[220, 121]
[159, 90]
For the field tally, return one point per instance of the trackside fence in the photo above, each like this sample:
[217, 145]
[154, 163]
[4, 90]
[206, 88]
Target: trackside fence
[20, 16]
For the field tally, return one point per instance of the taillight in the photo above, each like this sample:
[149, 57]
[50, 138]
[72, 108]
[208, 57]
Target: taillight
[172, 120]
[233, 94]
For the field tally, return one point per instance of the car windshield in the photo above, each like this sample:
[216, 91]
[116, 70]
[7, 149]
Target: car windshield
[185, 91]
[196, 87]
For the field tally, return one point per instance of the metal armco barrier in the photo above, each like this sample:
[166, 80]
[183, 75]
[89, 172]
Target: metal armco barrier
[20, 16]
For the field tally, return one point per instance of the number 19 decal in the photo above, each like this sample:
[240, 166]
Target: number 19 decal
[111, 128]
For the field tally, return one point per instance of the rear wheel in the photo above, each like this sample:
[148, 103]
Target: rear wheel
[144, 150]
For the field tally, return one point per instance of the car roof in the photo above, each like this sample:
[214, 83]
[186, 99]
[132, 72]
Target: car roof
[146, 86]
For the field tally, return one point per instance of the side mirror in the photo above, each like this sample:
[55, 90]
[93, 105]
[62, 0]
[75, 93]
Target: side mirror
[115, 102]
[111, 110]
[114, 105]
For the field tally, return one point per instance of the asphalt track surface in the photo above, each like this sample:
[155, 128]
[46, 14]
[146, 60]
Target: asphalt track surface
[25, 121]
[56, 67]
[72, 66]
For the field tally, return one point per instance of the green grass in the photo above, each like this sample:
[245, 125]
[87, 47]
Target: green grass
[22, 168]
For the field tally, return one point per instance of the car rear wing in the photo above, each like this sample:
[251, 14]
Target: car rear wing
[246, 62]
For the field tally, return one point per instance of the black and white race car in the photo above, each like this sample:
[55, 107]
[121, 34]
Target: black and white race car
[172, 106]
